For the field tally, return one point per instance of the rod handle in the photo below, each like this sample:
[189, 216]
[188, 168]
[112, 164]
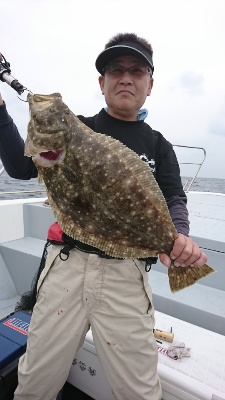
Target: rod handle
[167, 336]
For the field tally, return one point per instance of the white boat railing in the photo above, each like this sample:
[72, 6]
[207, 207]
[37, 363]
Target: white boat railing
[24, 191]
[187, 185]
[2, 170]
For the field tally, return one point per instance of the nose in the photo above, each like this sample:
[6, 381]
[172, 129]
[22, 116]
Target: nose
[126, 77]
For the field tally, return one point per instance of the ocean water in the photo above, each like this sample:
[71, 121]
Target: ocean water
[207, 185]
[10, 187]
[14, 188]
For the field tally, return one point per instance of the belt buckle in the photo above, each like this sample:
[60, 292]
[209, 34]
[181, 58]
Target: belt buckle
[102, 254]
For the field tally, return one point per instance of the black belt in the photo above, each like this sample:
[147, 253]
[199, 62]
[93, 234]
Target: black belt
[86, 248]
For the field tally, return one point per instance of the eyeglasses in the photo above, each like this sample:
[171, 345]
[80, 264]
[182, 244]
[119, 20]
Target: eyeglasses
[136, 71]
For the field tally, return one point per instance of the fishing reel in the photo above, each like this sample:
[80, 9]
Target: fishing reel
[5, 76]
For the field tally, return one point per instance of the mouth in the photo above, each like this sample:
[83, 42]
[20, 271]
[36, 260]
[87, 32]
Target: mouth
[125, 92]
[48, 159]
[50, 155]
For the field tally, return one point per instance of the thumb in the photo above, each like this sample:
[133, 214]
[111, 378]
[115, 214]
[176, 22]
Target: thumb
[165, 260]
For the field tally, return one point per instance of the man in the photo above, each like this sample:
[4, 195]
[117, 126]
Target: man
[92, 289]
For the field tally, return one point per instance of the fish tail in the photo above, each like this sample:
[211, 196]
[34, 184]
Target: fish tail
[182, 277]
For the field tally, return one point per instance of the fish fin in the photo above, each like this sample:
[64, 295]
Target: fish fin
[182, 277]
[40, 177]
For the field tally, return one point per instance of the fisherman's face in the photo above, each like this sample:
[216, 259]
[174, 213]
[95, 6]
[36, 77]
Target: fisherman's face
[125, 92]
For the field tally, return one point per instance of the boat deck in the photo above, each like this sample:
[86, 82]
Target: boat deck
[7, 306]
[203, 373]
[188, 312]
[200, 376]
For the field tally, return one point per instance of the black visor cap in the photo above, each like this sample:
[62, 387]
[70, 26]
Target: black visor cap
[123, 49]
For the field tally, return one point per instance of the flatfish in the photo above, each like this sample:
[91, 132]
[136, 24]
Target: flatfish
[100, 191]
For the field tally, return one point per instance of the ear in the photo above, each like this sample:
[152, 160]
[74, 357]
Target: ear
[150, 86]
[101, 81]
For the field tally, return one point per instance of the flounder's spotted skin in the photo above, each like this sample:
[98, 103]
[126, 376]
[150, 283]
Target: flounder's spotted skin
[100, 191]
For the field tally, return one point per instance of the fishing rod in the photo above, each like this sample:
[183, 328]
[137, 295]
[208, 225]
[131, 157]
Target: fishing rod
[5, 76]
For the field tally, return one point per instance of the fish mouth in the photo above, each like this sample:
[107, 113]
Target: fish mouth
[50, 155]
[48, 159]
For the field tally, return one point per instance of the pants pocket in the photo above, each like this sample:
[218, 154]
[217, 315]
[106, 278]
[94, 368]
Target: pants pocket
[140, 265]
[52, 255]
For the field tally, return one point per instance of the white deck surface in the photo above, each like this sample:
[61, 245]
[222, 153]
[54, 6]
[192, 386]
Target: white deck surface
[202, 374]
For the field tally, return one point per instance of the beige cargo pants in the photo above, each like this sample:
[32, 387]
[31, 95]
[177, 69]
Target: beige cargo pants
[111, 296]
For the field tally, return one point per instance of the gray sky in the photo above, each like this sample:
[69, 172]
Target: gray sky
[52, 47]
